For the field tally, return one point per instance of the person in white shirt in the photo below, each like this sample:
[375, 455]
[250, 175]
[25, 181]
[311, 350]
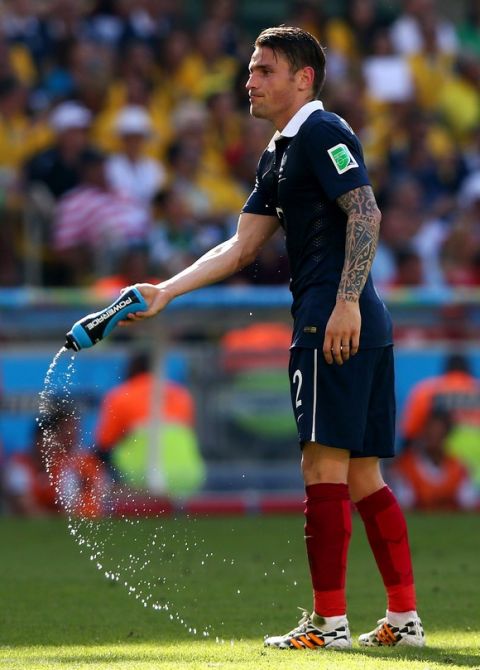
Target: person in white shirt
[131, 172]
[406, 31]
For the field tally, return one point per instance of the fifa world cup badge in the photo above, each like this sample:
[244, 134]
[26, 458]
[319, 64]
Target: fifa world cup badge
[342, 158]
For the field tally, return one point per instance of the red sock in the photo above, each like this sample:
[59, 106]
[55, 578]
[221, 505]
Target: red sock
[327, 534]
[387, 533]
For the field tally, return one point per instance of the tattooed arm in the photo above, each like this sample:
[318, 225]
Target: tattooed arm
[361, 240]
[342, 334]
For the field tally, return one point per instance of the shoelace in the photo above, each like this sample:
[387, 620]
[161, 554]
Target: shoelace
[303, 623]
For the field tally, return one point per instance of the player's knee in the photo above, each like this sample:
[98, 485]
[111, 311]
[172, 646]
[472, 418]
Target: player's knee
[363, 482]
[316, 474]
[319, 467]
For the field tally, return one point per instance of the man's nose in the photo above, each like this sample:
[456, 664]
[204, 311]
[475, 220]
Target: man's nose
[250, 82]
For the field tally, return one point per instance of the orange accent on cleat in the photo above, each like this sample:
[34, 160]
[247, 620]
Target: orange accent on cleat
[386, 636]
[307, 636]
[318, 641]
[306, 642]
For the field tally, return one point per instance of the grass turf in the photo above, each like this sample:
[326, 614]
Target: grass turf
[242, 576]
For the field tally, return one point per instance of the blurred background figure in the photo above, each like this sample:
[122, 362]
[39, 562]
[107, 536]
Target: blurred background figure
[57, 168]
[131, 265]
[457, 390]
[75, 482]
[145, 433]
[19, 137]
[175, 234]
[131, 172]
[469, 29]
[408, 269]
[213, 68]
[426, 476]
[407, 28]
[93, 223]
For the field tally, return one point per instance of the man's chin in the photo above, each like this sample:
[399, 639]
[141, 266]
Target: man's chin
[256, 112]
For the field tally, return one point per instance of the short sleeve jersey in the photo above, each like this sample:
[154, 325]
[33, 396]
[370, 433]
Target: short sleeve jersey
[299, 177]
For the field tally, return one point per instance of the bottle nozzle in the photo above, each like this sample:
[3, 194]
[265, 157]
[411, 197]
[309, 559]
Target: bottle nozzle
[70, 342]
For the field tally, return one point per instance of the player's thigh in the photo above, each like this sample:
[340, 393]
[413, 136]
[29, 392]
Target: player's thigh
[331, 402]
[379, 436]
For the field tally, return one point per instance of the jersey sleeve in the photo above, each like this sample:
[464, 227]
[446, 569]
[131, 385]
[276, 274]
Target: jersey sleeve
[263, 198]
[336, 158]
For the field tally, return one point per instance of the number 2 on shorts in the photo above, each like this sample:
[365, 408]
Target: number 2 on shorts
[297, 377]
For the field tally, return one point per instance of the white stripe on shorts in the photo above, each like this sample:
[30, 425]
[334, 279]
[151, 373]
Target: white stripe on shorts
[314, 409]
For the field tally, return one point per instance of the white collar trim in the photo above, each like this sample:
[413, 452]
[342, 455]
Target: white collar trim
[295, 123]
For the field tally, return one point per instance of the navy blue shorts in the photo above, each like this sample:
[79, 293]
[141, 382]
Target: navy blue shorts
[349, 406]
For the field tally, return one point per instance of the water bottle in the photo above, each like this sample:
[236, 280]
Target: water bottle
[94, 327]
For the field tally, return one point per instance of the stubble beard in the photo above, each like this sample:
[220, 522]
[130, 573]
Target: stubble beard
[257, 113]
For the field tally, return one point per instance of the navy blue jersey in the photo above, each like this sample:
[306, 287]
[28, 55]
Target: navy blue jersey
[299, 178]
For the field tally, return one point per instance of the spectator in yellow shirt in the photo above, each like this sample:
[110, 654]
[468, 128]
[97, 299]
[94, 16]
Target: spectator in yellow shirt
[431, 67]
[20, 137]
[214, 70]
[459, 101]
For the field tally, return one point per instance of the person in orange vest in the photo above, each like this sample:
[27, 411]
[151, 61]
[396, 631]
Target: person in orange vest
[426, 476]
[130, 404]
[457, 390]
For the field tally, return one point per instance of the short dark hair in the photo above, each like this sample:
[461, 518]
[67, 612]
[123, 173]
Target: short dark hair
[457, 362]
[8, 85]
[300, 48]
[91, 156]
[139, 363]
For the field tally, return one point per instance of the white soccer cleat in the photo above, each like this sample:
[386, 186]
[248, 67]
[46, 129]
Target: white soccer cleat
[307, 636]
[386, 634]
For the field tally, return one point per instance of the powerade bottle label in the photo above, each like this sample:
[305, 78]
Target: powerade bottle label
[94, 327]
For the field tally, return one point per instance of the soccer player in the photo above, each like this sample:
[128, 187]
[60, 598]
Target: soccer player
[312, 181]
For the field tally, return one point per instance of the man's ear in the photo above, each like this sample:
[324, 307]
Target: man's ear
[306, 78]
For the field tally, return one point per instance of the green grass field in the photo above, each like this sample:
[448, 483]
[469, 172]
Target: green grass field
[58, 611]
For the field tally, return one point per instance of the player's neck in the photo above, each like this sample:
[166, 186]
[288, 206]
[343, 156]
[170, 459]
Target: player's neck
[282, 120]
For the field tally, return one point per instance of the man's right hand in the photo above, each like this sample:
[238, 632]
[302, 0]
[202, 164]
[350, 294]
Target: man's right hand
[157, 298]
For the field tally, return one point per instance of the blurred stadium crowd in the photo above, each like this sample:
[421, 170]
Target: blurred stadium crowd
[127, 149]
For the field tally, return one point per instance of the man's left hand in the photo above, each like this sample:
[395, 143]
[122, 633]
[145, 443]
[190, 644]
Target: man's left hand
[342, 334]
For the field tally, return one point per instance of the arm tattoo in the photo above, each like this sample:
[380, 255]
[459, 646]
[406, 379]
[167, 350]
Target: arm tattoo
[361, 240]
